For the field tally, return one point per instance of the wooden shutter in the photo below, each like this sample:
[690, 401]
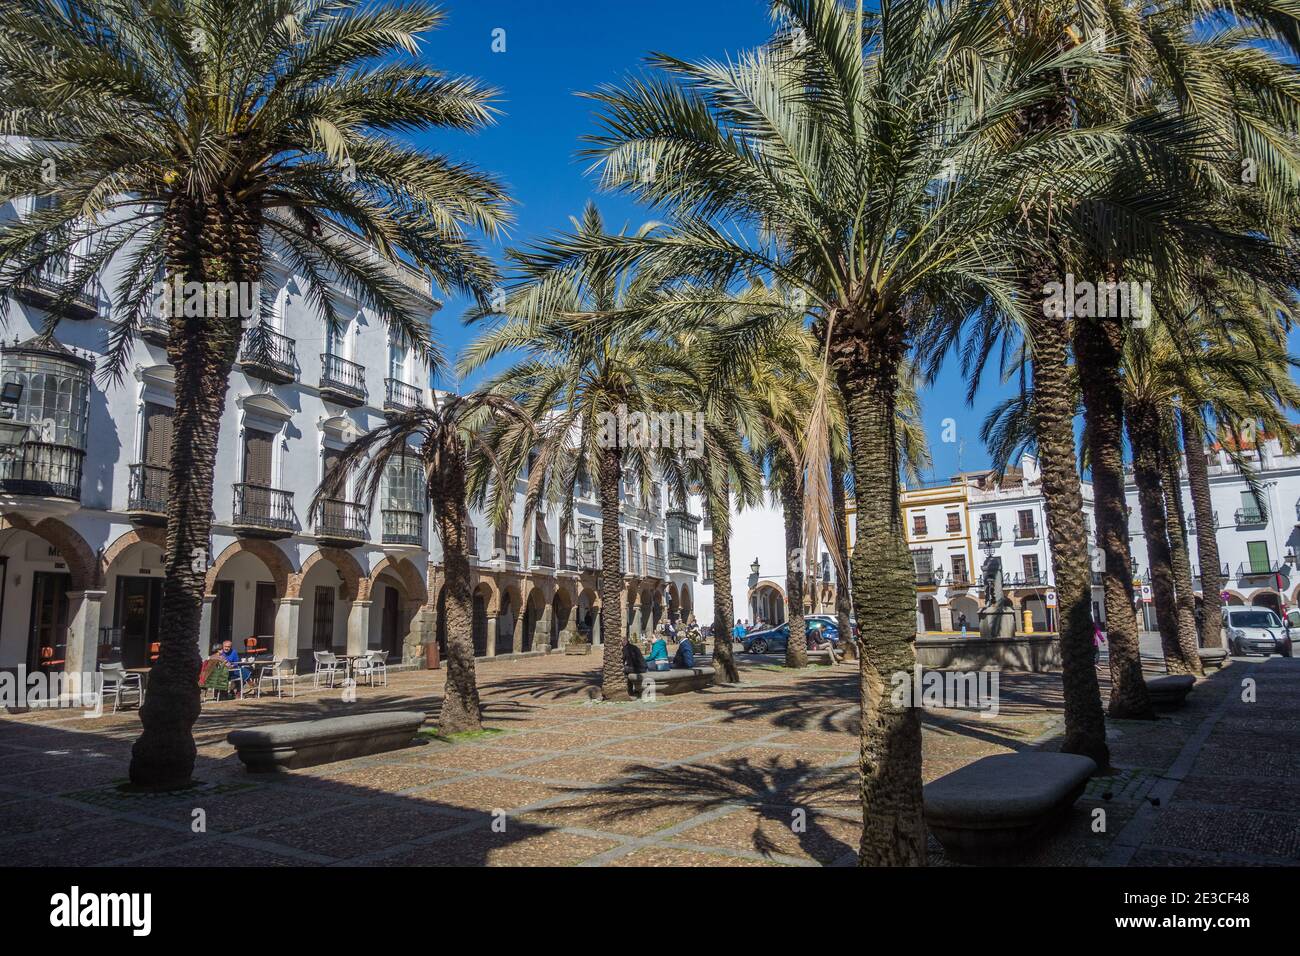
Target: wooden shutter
[257, 457]
[157, 435]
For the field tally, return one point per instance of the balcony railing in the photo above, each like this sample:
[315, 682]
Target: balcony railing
[543, 554]
[1027, 532]
[1224, 573]
[42, 470]
[926, 578]
[147, 490]
[654, 566]
[402, 527]
[342, 380]
[508, 545]
[45, 287]
[400, 397]
[1252, 569]
[989, 533]
[1248, 516]
[342, 522]
[589, 557]
[269, 355]
[260, 509]
[684, 562]
[154, 328]
[960, 581]
[1191, 521]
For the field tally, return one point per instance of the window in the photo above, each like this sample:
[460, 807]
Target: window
[954, 522]
[1030, 564]
[404, 484]
[923, 562]
[706, 560]
[396, 357]
[1025, 524]
[1257, 553]
[989, 528]
[156, 446]
[1251, 513]
[918, 525]
[259, 447]
[959, 568]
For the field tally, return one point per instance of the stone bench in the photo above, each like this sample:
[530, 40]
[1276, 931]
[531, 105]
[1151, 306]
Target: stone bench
[306, 743]
[820, 657]
[1169, 692]
[676, 681]
[1213, 656]
[988, 810]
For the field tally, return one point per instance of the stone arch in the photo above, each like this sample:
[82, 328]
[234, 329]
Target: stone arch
[150, 535]
[763, 600]
[564, 615]
[1236, 598]
[534, 620]
[674, 603]
[347, 566]
[927, 609]
[688, 603]
[1268, 599]
[964, 604]
[416, 589]
[509, 614]
[83, 568]
[276, 561]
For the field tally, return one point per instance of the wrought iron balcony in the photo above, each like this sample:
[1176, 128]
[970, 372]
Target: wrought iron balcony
[989, 533]
[959, 582]
[1244, 517]
[269, 355]
[45, 289]
[263, 512]
[508, 545]
[405, 528]
[344, 524]
[543, 554]
[654, 566]
[1027, 532]
[42, 470]
[1254, 569]
[589, 557]
[154, 328]
[399, 396]
[342, 381]
[146, 496]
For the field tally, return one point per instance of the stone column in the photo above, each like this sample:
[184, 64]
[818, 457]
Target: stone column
[286, 628]
[542, 631]
[359, 627]
[491, 637]
[570, 626]
[82, 652]
[595, 627]
[205, 625]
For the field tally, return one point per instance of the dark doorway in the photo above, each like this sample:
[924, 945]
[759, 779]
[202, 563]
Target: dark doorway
[479, 625]
[391, 637]
[136, 611]
[223, 613]
[47, 638]
[264, 614]
[322, 623]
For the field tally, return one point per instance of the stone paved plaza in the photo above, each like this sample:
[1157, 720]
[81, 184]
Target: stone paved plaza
[763, 773]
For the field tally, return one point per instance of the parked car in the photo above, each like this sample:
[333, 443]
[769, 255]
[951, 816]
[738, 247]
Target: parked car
[834, 621]
[776, 638]
[1256, 630]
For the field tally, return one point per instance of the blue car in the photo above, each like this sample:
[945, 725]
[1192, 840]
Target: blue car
[776, 638]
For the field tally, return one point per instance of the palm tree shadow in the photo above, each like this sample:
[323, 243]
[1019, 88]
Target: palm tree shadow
[791, 795]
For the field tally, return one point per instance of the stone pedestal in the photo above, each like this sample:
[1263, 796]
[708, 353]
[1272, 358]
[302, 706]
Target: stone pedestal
[997, 622]
[286, 629]
[82, 652]
[359, 627]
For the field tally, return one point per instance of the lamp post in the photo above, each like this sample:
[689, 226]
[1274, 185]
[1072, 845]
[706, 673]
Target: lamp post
[11, 432]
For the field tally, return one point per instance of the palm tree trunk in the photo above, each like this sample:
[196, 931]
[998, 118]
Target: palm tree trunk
[1179, 562]
[724, 658]
[796, 646]
[613, 682]
[843, 600]
[460, 702]
[884, 597]
[217, 242]
[1207, 543]
[1144, 436]
[1053, 419]
[1098, 348]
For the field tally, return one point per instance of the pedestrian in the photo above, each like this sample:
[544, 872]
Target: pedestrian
[1098, 639]
[738, 632]
[961, 622]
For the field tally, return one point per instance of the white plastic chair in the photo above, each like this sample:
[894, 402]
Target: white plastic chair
[117, 681]
[282, 672]
[328, 663]
[372, 668]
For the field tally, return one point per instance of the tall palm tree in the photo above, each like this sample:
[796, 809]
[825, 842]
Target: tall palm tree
[443, 438]
[192, 137]
[578, 381]
[864, 161]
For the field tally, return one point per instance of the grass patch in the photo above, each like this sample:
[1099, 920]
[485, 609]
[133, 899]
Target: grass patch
[462, 737]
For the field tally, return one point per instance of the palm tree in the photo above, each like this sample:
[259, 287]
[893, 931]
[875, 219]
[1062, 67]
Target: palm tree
[848, 159]
[578, 381]
[191, 137]
[443, 438]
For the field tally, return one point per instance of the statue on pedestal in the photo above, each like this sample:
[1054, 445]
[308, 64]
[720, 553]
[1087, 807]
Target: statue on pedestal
[997, 616]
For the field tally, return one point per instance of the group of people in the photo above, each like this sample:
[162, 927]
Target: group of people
[637, 662]
[225, 655]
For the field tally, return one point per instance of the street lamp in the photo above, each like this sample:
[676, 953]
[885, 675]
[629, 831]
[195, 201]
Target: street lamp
[753, 568]
[11, 432]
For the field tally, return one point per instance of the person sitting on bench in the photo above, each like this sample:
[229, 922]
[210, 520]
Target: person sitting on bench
[633, 659]
[658, 652]
[684, 659]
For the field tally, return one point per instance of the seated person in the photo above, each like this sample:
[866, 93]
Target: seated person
[684, 659]
[231, 657]
[633, 659]
[658, 649]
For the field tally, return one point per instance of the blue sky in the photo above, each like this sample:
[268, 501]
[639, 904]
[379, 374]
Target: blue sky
[556, 48]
